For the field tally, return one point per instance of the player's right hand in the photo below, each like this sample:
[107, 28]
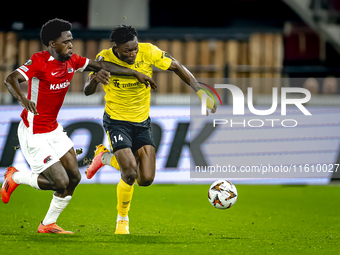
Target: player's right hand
[29, 105]
[103, 77]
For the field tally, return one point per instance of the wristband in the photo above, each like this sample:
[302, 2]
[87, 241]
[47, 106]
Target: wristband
[210, 100]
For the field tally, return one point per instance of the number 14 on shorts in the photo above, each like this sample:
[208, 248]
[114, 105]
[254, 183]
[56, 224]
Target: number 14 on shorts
[120, 138]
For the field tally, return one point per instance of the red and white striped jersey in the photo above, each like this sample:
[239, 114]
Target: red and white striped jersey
[48, 82]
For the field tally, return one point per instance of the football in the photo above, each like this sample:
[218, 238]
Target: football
[222, 194]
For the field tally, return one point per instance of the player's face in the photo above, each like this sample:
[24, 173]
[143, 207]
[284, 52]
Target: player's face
[127, 52]
[64, 45]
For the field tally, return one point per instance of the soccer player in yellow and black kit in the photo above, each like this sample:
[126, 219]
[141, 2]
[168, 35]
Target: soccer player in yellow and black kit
[126, 118]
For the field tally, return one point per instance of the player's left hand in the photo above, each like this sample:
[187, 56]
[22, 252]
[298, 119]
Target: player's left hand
[146, 80]
[211, 104]
[213, 110]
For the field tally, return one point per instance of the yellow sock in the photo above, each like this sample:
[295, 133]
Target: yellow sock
[114, 163]
[124, 196]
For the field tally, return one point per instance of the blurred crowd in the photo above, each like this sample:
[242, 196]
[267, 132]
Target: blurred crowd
[326, 86]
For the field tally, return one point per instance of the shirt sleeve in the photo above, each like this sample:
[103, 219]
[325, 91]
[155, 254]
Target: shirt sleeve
[80, 63]
[31, 68]
[160, 59]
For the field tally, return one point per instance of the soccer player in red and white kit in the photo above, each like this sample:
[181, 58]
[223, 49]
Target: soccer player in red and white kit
[46, 147]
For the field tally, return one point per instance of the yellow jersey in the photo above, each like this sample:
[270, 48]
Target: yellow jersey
[126, 98]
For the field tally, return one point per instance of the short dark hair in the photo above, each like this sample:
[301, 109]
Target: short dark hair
[52, 29]
[123, 34]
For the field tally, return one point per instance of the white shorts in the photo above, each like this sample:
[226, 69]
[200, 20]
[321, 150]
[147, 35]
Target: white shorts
[43, 150]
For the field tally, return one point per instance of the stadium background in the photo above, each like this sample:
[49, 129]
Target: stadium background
[243, 41]
[248, 43]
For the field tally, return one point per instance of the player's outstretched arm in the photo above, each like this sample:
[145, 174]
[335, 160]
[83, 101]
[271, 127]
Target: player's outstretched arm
[189, 79]
[119, 70]
[12, 82]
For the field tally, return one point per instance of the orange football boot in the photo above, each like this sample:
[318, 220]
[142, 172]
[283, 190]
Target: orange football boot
[52, 228]
[9, 185]
[96, 163]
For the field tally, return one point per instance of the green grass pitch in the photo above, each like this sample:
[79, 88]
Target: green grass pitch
[178, 219]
